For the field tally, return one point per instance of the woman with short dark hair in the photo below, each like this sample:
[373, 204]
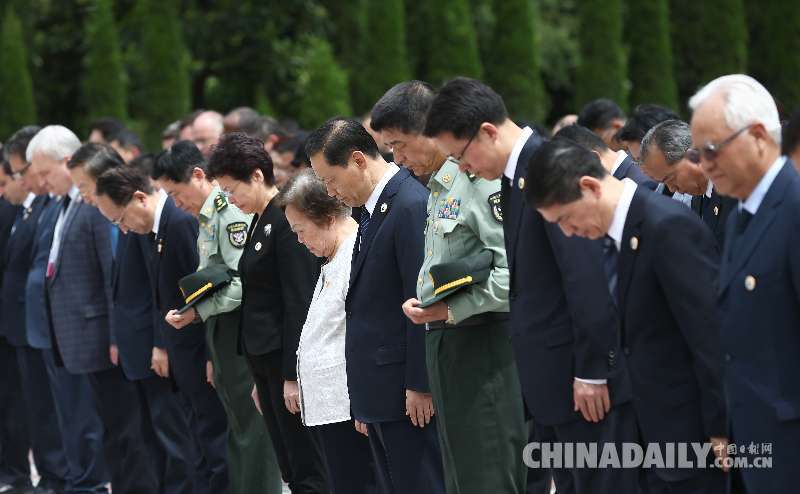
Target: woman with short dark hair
[323, 224]
[277, 276]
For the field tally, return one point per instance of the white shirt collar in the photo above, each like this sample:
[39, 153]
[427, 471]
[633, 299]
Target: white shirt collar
[74, 193]
[621, 156]
[513, 158]
[757, 196]
[617, 227]
[709, 189]
[378, 190]
[28, 200]
[162, 199]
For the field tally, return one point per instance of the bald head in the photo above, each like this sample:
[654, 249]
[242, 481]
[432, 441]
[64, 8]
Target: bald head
[206, 131]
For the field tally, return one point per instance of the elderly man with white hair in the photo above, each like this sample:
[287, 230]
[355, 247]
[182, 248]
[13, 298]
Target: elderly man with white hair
[736, 137]
[78, 294]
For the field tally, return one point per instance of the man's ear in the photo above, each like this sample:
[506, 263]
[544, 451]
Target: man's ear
[591, 185]
[489, 129]
[359, 158]
[198, 173]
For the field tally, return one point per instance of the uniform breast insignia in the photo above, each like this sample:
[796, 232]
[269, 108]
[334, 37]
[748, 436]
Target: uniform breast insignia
[496, 206]
[237, 234]
[449, 208]
[220, 202]
[210, 231]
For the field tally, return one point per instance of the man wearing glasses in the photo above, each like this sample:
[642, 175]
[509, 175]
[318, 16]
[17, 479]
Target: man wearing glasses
[736, 134]
[665, 158]
[563, 324]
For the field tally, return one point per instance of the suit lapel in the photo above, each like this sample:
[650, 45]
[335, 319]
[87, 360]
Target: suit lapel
[516, 200]
[749, 240]
[72, 211]
[375, 222]
[629, 248]
[622, 170]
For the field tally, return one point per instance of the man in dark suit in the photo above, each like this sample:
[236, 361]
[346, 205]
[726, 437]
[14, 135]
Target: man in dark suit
[617, 163]
[385, 352]
[563, 327]
[79, 298]
[664, 158]
[169, 251]
[661, 267]
[14, 442]
[643, 118]
[736, 135]
[44, 432]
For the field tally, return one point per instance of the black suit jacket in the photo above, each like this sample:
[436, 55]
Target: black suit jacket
[173, 255]
[135, 330]
[668, 268]
[385, 351]
[714, 212]
[278, 277]
[563, 323]
[629, 169]
[18, 259]
[8, 212]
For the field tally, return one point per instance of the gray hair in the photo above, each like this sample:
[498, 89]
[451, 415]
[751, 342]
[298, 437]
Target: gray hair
[307, 193]
[672, 137]
[747, 102]
[54, 141]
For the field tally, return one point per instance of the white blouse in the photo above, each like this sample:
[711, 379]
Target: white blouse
[321, 370]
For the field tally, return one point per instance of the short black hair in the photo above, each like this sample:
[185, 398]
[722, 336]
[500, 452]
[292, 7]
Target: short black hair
[599, 114]
[95, 158]
[643, 118]
[583, 137]
[261, 127]
[555, 170]
[461, 106]
[176, 163]
[403, 107]
[6, 166]
[120, 183]
[17, 144]
[791, 134]
[127, 139]
[295, 144]
[144, 163]
[337, 138]
[107, 126]
[237, 155]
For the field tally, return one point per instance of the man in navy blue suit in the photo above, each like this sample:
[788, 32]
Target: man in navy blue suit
[617, 163]
[736, 134]
[563, 325]
[661, 267]
[44, 432]
[385, 352]
[169, 251]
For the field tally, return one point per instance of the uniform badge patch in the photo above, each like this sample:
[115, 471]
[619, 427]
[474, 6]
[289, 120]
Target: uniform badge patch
[449, 208]
[220, 202]
[495, 204]
[237, 234]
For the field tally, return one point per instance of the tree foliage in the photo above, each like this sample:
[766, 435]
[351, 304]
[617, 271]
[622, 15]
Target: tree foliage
[602, 72]
[17, 107]
[650, 47]
[104, 77]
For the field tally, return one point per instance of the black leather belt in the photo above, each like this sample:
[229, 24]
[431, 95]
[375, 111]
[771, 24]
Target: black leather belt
[476, 320]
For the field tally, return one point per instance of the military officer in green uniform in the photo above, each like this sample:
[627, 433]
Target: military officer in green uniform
[252, 464]
[471, 369]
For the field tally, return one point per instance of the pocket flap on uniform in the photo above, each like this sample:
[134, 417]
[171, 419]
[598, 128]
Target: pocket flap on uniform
[91, 311]
[390, 355]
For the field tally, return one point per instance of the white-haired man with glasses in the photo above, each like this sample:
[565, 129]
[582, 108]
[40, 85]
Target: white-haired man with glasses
[736, 137]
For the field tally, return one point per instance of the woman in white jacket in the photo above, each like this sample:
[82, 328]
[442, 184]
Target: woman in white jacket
[323, 224]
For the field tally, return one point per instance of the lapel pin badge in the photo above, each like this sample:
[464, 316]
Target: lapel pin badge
[258, 246]
[750, 283]
[634, 243]
[521, 183]
[716, 210]
[446, 179]
[267, 230]
[384, 207]
[160, 245]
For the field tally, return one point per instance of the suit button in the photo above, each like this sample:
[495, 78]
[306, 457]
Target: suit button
[626, 350]
[611, 354]
[728, 357]
[349, 315]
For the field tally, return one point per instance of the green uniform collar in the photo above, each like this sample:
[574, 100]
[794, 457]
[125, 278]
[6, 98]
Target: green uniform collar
[446, 175]
[215, 202]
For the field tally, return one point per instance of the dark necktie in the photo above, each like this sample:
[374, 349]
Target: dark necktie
[742, 220]
[611, 266]
[363, 223]
[65, 203]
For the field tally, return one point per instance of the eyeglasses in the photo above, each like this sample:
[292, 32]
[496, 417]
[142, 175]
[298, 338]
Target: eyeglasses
[18, 175]
[461, 154]
[121, 218]
[709, 151]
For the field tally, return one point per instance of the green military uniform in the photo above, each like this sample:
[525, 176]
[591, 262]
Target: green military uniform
[252, 465]
[471, 368]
